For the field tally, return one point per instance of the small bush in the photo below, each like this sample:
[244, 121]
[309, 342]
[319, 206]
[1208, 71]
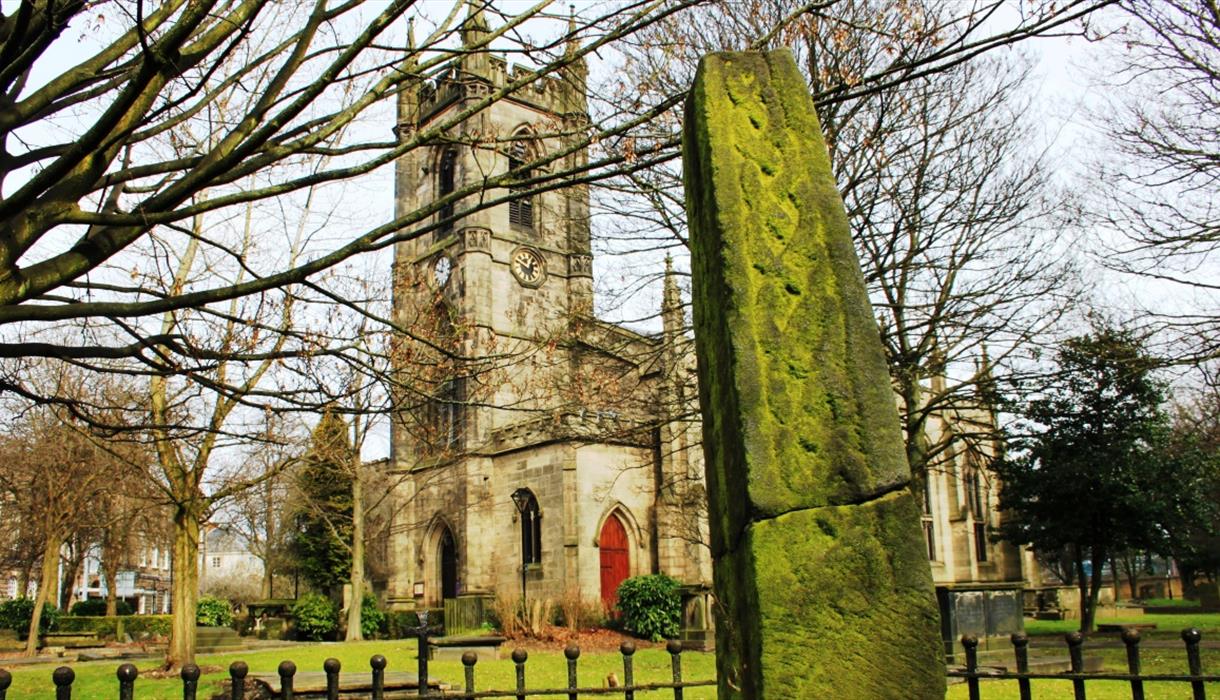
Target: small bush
[315, 616]
[371, 618]
[213, 612]
[15, 615]
[107, 628]
[651, 606]
[96, 607]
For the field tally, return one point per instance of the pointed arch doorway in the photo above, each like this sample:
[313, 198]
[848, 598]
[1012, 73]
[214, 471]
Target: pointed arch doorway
[615, 558]
[447, 557]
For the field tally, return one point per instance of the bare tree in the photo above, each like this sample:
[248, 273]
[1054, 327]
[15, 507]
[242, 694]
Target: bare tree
[53, 472]
[947, 197]
[1153, 197]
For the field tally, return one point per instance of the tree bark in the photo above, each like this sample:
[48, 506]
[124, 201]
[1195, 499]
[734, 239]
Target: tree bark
[71, 569]
[50, 566]
[356, 604]
[268, 541]
[1088, 606]
[185, 590]
[110, 571]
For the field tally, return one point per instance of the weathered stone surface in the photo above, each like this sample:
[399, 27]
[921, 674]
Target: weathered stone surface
[830, 602]
[822, 584]
[794, 364]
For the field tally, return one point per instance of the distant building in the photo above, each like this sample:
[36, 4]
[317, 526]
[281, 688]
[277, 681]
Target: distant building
[580, 463]
[223, 554]
[143, 582]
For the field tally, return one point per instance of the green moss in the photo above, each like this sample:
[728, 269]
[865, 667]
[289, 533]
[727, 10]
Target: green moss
[821, 582]
[839, 606]
[794, 300]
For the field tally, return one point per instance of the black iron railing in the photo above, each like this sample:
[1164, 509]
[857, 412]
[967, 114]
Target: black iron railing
[239, 686]
[1134, 676]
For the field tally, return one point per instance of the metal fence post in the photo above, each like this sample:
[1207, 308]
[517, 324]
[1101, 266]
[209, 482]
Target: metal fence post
[1075, 642]
[1020, 647]
[674, 647]
[1191, 637]
[237, 673]
[1131, 637]
[572, 653]
[469, 659]
[126, 674]
[627, 649]
[331, 667]
[378, 663]
[190, 681]
[287, 670]
[971, 645]
[6, 679]
[62, 677]
[421, 656]
[519, 658]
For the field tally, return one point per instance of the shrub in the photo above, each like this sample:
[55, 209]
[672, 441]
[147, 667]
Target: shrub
[213, 612]
[651, 606]
[371, 618]
[108, 628]
[315, 616]
[96, 607]
[15, 615]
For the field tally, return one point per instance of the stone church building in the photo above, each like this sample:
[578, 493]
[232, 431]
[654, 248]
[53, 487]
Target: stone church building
[541, 450]
[558, 454]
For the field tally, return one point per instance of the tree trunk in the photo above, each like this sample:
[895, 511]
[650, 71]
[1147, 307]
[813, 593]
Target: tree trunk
[269, 539]
[356, 604]
[50, 566]
[185, 590]
[71, 569]
[110, 571]
[23, 579]
[1082, 584]
[1131, 567]
[1088, 607]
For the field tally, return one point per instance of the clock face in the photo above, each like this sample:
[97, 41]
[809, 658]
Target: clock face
[527, 267]
[441, 270]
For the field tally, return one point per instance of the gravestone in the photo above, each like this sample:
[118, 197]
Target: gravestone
[821, 582]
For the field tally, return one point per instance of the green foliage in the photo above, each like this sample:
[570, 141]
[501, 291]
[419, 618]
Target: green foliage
[651, 606]
[323, 513]
[15, 615]
[371, 618]
[107, 628]
[1170, 603]
[1092, 471]
[96, 607]
[315, 616]
[211, 611]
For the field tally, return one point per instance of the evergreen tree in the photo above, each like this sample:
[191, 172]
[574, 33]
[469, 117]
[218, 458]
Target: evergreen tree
[1092, 473]
[323, 512]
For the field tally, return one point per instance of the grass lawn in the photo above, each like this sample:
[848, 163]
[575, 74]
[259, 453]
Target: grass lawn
[548, 669]
[1166, 625]
[96, 679]
[1153, 660]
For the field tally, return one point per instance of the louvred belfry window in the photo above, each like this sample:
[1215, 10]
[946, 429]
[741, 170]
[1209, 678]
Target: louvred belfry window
[521, 208]
[446, 181]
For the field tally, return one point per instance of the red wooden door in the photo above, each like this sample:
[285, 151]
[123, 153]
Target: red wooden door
[616, 560]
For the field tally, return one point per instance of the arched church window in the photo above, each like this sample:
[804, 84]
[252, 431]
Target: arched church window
[521, 207]
[445, 184]
[531, 527]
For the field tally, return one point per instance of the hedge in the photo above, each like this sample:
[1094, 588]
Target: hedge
[107, 628]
